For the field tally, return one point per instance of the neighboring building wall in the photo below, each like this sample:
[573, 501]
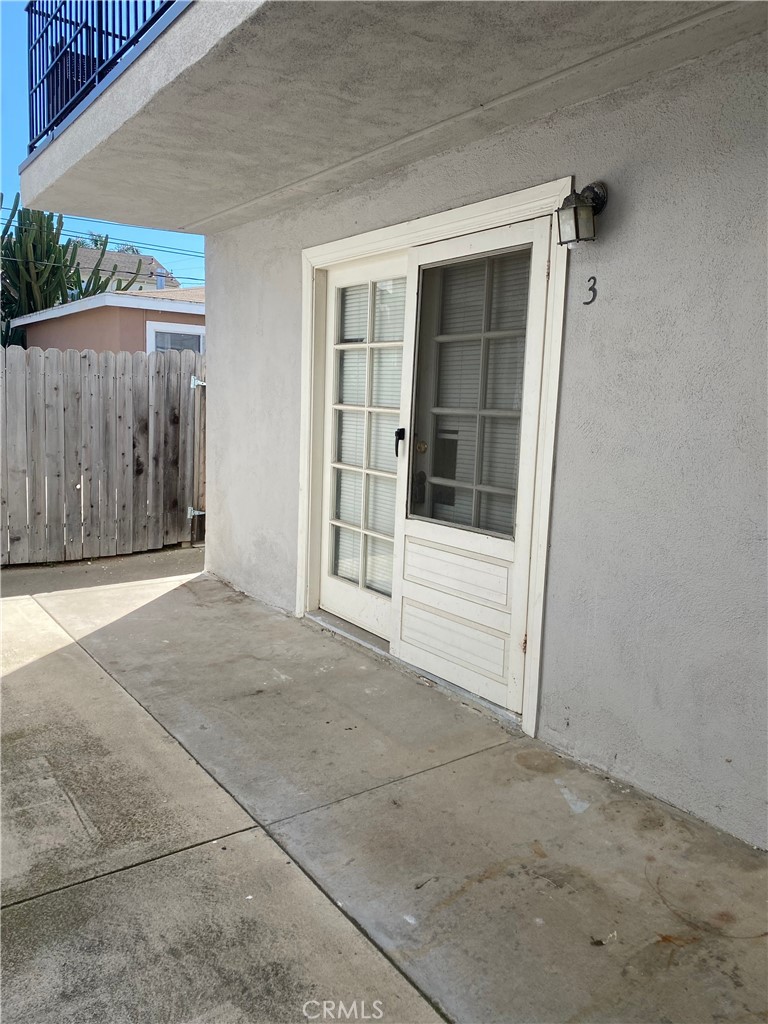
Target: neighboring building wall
[654, 657]
[107, 329]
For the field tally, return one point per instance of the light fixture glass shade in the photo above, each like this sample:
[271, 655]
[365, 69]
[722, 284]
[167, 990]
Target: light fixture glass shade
[566, 223]
[585, 222]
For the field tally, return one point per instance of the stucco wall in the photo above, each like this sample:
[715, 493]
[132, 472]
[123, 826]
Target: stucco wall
[104, 329]
[654, 657]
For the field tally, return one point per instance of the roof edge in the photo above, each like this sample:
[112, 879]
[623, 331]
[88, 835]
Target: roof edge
[119, 299]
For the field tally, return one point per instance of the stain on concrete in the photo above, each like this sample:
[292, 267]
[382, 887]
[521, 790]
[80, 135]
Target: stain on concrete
[539, 760]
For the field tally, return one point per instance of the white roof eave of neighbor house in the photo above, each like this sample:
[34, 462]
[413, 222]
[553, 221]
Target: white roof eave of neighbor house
[123, 300]
[372, 88]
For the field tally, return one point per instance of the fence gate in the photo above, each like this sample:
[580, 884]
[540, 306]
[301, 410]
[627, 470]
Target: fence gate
[102, 453]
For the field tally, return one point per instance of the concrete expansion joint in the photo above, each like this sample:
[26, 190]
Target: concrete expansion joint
[127, 867]
[382, 785]
[264, 827]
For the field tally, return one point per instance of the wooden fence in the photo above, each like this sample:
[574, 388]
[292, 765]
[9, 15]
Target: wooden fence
[102, 454]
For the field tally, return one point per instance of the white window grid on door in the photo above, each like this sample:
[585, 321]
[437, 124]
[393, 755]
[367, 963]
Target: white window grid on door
[356, 536]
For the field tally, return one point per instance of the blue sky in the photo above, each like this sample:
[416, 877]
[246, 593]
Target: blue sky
[190, 270]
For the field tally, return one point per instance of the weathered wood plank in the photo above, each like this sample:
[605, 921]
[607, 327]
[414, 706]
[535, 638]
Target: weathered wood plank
[54, 453]
[90, 411]
[36, 461]
[73, 454]
[108, 526]
[3, 467]
[156, 461]
[198, 523]
[16, 447]
[140, 449]
[171, 447]
[124, 399]
[186, 444]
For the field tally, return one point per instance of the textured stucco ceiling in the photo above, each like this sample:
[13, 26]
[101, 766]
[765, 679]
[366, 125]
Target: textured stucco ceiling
[240, 109]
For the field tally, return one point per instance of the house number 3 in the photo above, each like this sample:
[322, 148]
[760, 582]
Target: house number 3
[592, 289]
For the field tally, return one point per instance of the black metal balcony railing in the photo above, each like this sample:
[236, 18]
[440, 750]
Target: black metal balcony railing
[73, 46]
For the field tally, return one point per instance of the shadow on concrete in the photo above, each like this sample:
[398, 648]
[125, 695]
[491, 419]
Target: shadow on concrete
[18, 580]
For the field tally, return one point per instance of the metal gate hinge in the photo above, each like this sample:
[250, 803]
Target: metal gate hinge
[196, 383]
[192, 512]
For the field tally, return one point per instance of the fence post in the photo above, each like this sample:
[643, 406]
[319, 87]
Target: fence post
[16, 444]
[73, 456]
[140, 449]
[36, 460]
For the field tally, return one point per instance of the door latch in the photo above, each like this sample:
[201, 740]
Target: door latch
[192, 512]
[399, 436]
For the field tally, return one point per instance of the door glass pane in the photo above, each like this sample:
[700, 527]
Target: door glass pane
[353, 324]
[459, 382]
[458, 377]
[452, 505]
[345, 548]
[497, 513]
[501, 451]
[381, 453]
[387, 363]
[378, 565]
[509, 291]
[380, 510]
[462, 298]
[454, 448]
[349, 496]
[504, 386]
[389, 310]
[368, 376]
[349, 437]
[351, 377]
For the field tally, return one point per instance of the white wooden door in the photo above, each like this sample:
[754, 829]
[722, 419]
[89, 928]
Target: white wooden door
[472, 374]
[364, 341]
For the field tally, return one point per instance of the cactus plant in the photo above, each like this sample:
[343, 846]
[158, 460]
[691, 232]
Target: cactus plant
[40, 271]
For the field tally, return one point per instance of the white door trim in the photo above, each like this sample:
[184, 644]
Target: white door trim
[539, 201]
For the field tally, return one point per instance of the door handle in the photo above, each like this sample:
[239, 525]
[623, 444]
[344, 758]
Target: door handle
[399, 436]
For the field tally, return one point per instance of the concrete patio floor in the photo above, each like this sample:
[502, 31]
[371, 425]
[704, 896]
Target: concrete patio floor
[216, 813]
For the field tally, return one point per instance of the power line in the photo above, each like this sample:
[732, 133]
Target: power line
[127, 241]
[126, 274]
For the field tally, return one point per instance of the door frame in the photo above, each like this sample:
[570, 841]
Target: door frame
[528, 204]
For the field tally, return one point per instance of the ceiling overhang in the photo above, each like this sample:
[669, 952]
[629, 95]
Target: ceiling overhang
[241, 109]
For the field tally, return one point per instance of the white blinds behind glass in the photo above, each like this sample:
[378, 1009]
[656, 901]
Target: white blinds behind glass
[354, 313]
[474, 387]
[463, 298]
[389, 310]
[458, 379]
[367, 381]
[387, 365]
[509, 291]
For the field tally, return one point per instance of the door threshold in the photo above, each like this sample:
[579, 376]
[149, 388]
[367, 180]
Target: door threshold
[350, 631]
[377, 645]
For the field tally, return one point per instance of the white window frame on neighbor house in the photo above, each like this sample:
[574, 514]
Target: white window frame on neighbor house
[155, 326]
[528, 204]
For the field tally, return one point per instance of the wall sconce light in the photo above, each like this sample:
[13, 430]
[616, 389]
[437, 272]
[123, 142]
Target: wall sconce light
[576, 217]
